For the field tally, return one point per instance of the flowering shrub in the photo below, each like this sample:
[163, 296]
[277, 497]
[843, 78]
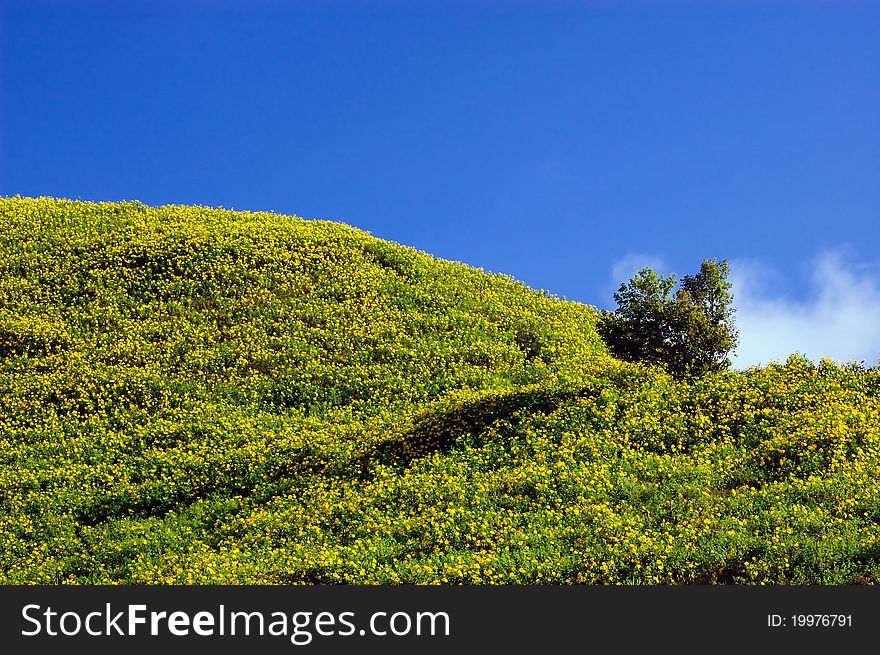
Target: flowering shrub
[191, 395]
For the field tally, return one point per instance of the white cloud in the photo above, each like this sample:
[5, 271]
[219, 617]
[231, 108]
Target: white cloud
[840, 318]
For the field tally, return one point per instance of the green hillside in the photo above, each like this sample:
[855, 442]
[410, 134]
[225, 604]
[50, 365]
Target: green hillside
[190, 395]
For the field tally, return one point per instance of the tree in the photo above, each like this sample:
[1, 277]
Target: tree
[689, 332]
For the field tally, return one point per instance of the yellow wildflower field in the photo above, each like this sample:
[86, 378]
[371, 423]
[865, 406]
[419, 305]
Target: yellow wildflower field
[193, 395]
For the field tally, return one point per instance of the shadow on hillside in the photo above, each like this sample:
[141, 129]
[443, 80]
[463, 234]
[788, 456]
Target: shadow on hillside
[438, 430]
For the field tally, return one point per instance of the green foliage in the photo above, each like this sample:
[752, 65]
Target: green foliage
[689, 333]
[190, 395]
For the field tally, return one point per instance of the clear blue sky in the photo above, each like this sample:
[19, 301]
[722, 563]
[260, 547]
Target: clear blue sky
[546, 140]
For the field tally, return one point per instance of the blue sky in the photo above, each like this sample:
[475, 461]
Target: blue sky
[562, 143]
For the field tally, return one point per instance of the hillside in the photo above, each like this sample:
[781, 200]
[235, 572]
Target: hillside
[190, 395]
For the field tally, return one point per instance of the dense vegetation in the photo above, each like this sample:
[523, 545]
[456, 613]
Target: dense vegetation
[689, 333]
[195, 395]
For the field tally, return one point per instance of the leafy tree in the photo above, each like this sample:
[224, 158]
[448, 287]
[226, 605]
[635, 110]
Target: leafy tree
[689, 331]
